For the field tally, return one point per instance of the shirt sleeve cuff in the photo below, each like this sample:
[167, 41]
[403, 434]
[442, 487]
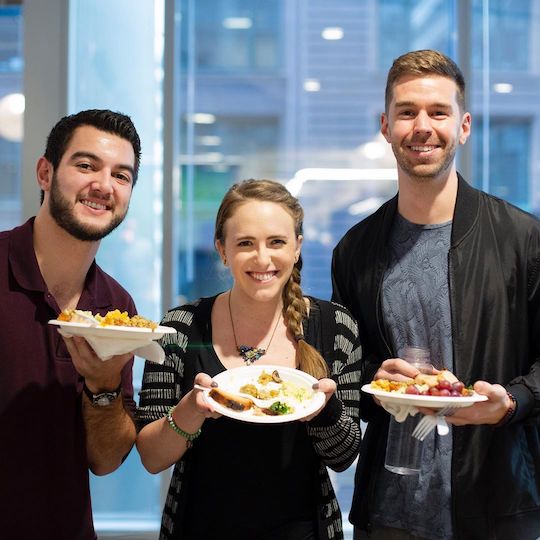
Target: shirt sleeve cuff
[524, 401]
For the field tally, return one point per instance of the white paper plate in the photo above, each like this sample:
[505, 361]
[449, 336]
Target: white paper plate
[429, 402]
[109, 341]
[232, 379]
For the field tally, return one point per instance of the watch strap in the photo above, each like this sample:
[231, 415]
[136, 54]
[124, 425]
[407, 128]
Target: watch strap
[510, 412]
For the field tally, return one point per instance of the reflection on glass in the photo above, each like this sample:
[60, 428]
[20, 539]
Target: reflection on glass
[263, 94]
[11, 114]
[117, 64]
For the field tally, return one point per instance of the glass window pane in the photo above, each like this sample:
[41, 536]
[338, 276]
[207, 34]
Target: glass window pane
[312, 121]
[509, 160]
[509, 23]
[11, 113]
[117, 64]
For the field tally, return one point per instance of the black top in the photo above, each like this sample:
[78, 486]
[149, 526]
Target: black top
[494, 284]
[334, 435]
[236, 465]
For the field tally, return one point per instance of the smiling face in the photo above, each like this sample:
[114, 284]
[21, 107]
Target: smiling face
[424, 125]
[261, 248]
[88, 194]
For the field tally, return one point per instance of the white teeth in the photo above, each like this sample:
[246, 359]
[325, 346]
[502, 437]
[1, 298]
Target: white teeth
[94, 205]
[263, 277]
[422, 148]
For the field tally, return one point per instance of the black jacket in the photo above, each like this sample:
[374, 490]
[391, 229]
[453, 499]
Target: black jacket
[494, 283]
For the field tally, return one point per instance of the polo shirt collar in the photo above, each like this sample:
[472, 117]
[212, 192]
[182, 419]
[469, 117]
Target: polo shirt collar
[25, 269]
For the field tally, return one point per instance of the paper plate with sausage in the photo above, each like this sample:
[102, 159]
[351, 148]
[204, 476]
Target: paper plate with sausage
[265, 394]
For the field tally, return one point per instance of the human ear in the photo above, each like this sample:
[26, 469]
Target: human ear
[384, 127]
[221, 252]
[465, 129]
[44, 173]
[299, 240]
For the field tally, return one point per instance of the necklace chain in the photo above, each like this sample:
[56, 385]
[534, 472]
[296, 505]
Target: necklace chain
[250, 354]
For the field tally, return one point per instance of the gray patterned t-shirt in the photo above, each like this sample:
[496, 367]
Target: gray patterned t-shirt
[416, 308]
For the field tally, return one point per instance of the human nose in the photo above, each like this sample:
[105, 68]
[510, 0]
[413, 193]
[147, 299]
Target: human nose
[422, 123]
[262, 255]
[103, 181]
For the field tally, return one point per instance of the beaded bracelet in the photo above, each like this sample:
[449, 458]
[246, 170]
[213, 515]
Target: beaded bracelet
[190, 437]
[510, 412]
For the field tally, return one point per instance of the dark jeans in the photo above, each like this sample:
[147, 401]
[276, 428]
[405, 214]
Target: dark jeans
[384, 533]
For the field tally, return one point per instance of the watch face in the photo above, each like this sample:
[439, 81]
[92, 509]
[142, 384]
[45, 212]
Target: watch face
[102, 400]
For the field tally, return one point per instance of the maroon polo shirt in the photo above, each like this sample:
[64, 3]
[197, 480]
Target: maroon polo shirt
[44, 489]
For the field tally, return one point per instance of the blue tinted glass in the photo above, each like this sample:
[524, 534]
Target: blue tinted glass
[11, 114]
[509, 23]
[509, 160]
[117, 64]
[245, 35]
[414, 24]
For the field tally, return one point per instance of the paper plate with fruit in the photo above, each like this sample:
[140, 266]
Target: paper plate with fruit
[430, 391]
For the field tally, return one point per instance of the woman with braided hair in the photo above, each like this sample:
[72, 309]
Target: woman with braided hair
[239, 480]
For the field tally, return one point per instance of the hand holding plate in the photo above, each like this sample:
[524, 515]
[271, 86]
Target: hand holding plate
[396, 369]
[486, 412]
[202, 384]
[98, 375]
[328, 387]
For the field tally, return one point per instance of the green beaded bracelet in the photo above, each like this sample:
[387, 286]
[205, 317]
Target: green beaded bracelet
[190, 437]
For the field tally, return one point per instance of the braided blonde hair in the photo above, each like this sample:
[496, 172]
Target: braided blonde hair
[294, 305]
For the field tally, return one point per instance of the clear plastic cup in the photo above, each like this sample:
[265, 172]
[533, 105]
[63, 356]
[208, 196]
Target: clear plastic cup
[419, 357]
[403, 451]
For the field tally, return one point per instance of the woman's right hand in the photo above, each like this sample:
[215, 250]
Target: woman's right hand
[198, 397]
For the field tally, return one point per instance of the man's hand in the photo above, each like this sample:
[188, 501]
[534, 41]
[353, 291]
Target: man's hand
[485, 412]
[110, 432]
[99, 376]
[396, 369]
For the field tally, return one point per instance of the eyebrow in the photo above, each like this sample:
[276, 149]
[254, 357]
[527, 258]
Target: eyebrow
[249, 237]
[94, 157]
[440, 105]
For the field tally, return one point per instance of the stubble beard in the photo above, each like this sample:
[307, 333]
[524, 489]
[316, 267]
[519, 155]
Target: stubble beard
[426, 172]
[62, 212]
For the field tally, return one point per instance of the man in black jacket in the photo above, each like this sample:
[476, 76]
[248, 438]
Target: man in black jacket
[445, 266]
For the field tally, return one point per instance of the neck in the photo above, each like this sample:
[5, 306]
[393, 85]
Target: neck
[63, 260]
[427, 201]
[257, 309]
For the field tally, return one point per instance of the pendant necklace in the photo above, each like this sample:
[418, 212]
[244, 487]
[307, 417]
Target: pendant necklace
[250, 354]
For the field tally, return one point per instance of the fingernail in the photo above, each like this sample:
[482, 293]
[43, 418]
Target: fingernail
[315, 386]
[213, 384]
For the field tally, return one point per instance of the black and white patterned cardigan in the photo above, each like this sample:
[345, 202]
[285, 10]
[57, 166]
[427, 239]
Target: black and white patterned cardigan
[335, 432]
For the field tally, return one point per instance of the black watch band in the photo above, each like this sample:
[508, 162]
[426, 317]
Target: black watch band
[102, 399]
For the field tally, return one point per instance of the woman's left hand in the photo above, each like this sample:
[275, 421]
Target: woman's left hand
[328, 386]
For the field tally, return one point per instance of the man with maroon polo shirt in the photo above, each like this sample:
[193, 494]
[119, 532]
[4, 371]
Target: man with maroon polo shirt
[63, 410]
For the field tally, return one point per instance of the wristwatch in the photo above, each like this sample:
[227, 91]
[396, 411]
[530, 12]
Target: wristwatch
[103, 399]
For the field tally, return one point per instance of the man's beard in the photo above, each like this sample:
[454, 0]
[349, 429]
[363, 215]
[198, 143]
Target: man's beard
[62, 212]
[427, 171]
